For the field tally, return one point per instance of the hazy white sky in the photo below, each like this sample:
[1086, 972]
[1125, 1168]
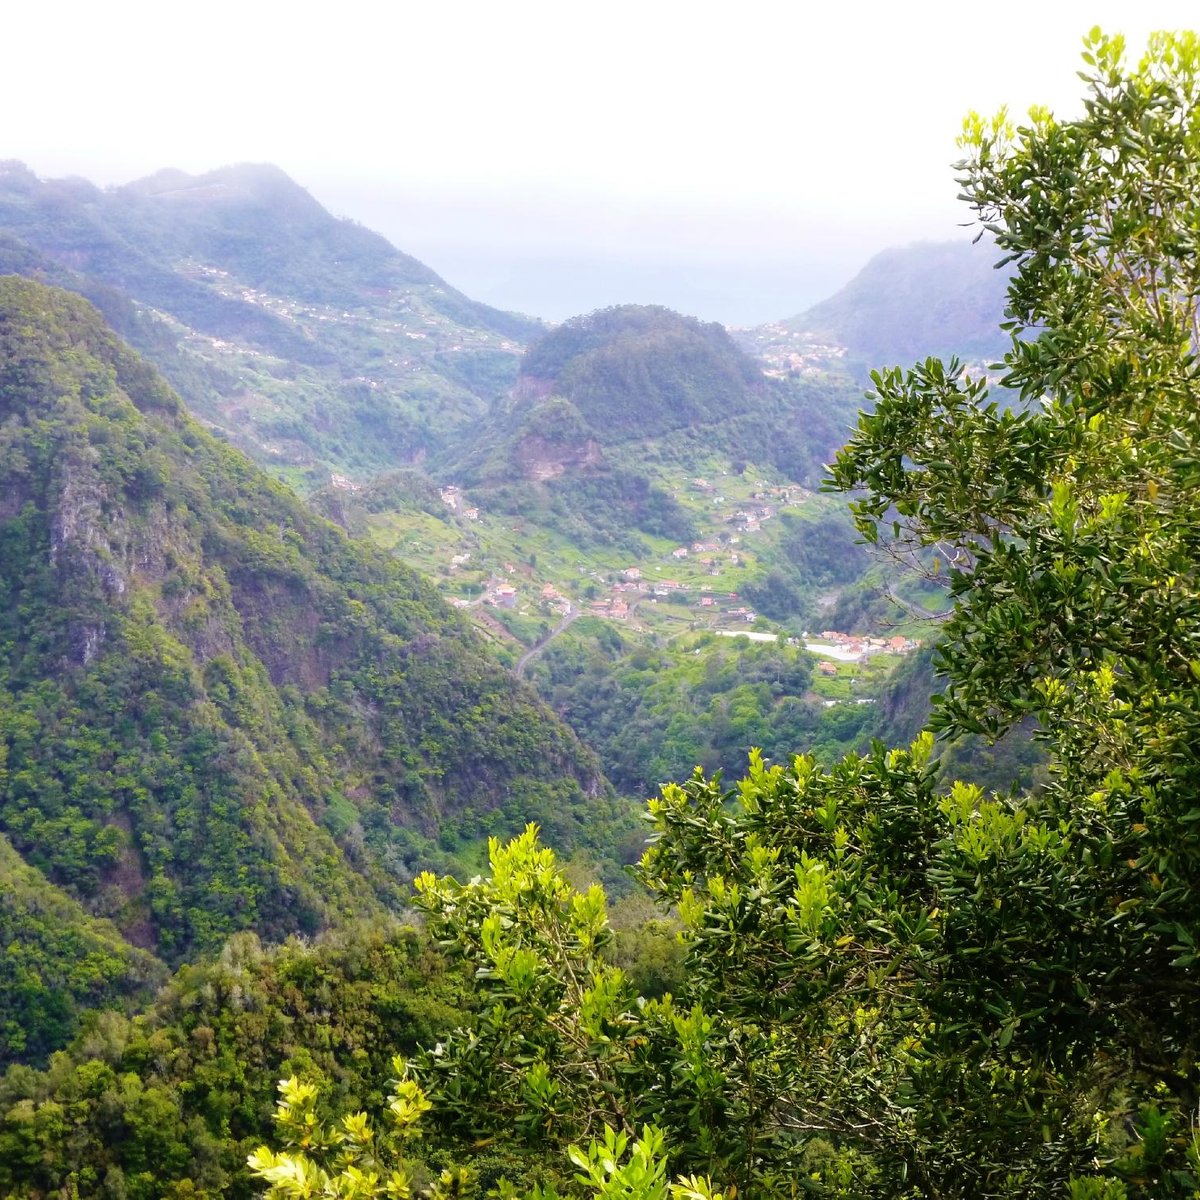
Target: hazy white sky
[739, 160]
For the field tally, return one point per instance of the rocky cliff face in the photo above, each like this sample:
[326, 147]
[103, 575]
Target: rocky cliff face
[542, 458]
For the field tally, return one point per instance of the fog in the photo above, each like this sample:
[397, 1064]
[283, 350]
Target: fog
[736, 163]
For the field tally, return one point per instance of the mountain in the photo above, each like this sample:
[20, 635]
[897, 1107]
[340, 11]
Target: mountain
[646, 475]
[216, 711]
[632, 431]
[605, 400]
[907, 303]
[311, 342]
[640, 371]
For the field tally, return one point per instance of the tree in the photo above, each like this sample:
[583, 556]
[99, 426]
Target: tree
[358, 1160]
[899, 988]
[1069, 525]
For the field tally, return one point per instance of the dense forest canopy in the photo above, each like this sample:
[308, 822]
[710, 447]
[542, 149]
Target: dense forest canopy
[217, 712]
[895, 987]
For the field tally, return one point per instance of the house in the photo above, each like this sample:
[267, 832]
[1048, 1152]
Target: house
[632, 573]
[472, 514]
[898, 644]
[827, 668]
[679, 552]
[506, 595]
[707, 602]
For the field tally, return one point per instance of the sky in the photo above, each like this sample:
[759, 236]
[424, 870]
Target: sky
[735, 161]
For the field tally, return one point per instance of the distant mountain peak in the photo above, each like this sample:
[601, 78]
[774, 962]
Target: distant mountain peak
[909, 302]
[906, 304]
[259, 184]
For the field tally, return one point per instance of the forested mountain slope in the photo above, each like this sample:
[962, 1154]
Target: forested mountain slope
[216, 711]
[620, 378]
[613, 410]
[58, 959]
[169, 1103]
[310, 340]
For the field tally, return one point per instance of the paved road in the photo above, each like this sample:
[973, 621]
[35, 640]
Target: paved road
[531, 654]
[916, 610]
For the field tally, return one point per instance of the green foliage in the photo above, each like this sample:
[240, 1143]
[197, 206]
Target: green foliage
[634, 371]
[704, 700]
[171, 1102]
[216, 712]
[348, 1160]
[1016, 759]
[601, 385]
[1070, 527]
[359, 1160]
[57, 962]
[594, 508]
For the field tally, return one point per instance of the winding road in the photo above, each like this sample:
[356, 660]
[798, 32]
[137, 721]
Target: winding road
[532, 653]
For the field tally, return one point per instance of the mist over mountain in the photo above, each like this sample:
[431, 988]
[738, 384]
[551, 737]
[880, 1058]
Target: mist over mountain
[907, 303]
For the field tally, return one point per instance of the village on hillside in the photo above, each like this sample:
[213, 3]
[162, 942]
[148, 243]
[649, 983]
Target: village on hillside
[521, 585]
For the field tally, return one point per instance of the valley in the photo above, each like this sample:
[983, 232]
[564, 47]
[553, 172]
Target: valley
[479, 572]
[446, 755]
[631, 471]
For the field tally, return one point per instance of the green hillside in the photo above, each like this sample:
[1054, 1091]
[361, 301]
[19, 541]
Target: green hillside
[612, 383]
[58, 961]
[631, 434]
[170, 1102]
[216, 711]
[313, 343]
[637, 372]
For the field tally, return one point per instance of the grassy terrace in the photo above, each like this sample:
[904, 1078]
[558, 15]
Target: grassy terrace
[469, 558]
